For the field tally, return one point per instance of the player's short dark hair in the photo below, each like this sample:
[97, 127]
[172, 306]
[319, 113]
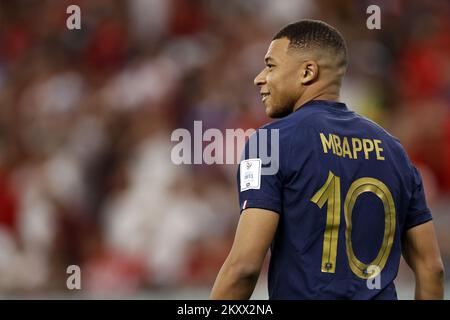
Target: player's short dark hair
[309, 34]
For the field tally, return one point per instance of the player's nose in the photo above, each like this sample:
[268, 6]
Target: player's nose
[260, 79]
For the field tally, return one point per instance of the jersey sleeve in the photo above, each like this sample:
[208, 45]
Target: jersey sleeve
[259, 178]
[418, 211]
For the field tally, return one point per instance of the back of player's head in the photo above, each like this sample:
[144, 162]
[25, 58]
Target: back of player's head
[314, 34]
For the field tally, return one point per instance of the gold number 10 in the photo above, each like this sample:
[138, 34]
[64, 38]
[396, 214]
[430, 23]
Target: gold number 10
[330, 193]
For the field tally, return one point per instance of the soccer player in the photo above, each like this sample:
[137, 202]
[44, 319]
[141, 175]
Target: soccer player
[345, 201]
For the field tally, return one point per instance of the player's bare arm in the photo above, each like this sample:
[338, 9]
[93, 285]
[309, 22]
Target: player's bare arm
[421, 252]
[238, 276]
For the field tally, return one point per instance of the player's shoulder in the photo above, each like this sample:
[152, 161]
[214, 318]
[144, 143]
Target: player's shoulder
[388, 138]
[281, 128]
[381, 131]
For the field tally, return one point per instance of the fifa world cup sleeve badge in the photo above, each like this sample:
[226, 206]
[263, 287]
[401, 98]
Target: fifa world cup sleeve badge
[250, 174]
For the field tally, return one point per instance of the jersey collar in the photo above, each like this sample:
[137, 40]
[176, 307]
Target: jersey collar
[327, 103]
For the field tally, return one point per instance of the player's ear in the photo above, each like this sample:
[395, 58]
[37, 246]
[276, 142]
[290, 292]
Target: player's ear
[309, 71]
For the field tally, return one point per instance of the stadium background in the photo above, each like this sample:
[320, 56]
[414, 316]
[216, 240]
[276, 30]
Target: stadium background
[86, 117]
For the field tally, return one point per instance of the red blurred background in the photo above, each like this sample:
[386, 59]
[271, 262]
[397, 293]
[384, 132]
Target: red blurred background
[86, 117]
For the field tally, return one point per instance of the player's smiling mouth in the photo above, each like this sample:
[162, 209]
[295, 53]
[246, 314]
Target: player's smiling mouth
[264, 95]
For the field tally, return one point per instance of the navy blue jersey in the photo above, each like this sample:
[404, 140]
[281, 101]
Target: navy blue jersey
[345, 191]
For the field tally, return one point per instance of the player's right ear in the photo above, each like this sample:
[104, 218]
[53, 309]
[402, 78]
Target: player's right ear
[309, 72]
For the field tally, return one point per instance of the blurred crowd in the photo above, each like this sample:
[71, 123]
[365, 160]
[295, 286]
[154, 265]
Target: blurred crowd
[86, 117]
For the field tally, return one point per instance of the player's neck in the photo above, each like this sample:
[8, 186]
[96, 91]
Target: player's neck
[330, 96]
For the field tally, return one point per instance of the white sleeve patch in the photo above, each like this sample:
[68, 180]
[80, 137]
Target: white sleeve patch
[250, 174]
